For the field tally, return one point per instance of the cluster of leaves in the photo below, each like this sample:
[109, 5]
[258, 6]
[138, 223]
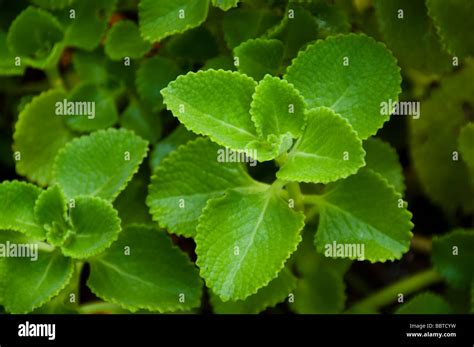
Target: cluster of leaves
[287, 84]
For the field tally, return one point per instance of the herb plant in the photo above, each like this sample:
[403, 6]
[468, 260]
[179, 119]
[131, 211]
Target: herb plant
[175, 155]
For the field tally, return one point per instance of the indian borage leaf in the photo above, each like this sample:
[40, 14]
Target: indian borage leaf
[124, 40]
[53, 4]
[242, 24]
[37, 151]
[225, 5]
[144, 261]
[383, 159]
[351, 74]
[453, 20]
[258, 57]
[142, 121]
[364, 210]
[40, 279]
[328, 150]
[44, 47]
[244, 254]
[411, 35]
[452, 256]
[187, 179]
[90, 21]
[275, 292]
[100, 164]
[51, 209]
[103, 115]
[192, 47]
[466, 147]
[214, 103]
[159, 19]
[94, 226]
[17, 201]
[7, 59]
[153, 75]
[425, 303]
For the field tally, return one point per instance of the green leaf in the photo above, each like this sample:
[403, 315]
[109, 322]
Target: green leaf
[186, 180]
[453, 258]
[7, 59]
[258, 57]
[221, 62]
[245, 253]
[144, 261]
[37, 151]
[434, 139]
[412, 38]
[90, 22]
[351, 74]
[153, 75]
[124, 40]
[44, 47]
[426, 303]
[297, 28]
[51, 209]
[383, 159]
[328, 150]
[466, 147]
[277, 109]
[275, 292]
[100, 164]
[96, 108]
[40, 279]
[331, 18]
[225, 5]
[224, 117]
[142, 121]
[363, 211]
[159, 19]
[242, 24]
[90, 66]
[53, 4]
[94, 226]
[453, 20]
[191, 47]
[178, 137]
[17, 201]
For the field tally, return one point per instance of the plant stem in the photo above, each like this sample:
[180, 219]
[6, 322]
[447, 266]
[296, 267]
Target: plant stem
[295, 193]
[54, 77]
[311, 199]
[406, 286]
[421, 244]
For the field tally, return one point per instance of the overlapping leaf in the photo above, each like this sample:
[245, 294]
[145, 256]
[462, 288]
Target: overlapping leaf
[124, 40]
[258, 57]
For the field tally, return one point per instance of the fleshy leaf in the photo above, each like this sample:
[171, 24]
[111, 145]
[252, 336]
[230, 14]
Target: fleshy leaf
[328, 150]
[143, 260]
[224, 117]
[7, 59]
[124, 40]
[351, 74]
[466, 147]
[277, 109]
[40, 279]
[245, 253]
[97, 110]
[100, 164]
[53, 4]
[363, 211]
[142, 121]
[411, 35]
[225, 5]
[258, 57]
[152, 76]
[90, 22]
[90, 66]
[191, 47]
[453, 257]
[383, 159]
[17, 202]
[434, 141]
[453, 20]
[44, 47]
[159, 19]
[275, 292]
[242, 24]
[94, 226]
[186, 180]
[426, 303]
[51, 209]
[37, 151]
